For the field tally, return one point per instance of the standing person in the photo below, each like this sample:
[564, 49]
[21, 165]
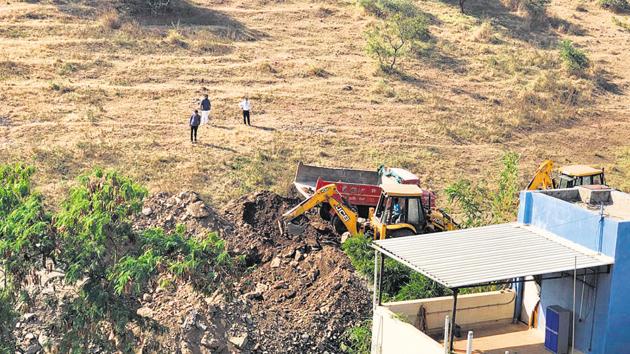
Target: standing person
[195, 120]
[246, 107]
[205, 110]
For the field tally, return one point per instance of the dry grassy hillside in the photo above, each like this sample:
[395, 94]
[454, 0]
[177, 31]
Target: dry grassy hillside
[80, 87]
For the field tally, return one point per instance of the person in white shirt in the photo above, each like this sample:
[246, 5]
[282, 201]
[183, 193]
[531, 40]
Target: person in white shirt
[246, 107]
[205, 110]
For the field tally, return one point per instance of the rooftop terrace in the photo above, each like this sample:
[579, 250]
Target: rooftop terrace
[616, 204]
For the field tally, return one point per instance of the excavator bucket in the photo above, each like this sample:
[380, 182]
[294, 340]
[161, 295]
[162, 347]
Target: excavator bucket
[293, 227]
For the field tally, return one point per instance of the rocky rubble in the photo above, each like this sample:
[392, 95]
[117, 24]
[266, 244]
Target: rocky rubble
[296, 293]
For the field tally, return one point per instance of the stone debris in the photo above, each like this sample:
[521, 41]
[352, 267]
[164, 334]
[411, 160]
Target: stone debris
[240, 340]
[298, 294]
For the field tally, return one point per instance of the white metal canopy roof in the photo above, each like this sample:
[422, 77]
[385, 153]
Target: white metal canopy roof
[491, 253]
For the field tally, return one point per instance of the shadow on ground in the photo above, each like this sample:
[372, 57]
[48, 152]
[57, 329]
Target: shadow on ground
[536, 28]
[268, 129]
[181, 13]
[184, 13]
[212, 146]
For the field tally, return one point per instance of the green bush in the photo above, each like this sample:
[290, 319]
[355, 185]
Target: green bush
[24, 226]
[94, 224]
[615, 5]
[92, 240]
[205, 262]
[574, 58]
[357, 339]
[398, 282]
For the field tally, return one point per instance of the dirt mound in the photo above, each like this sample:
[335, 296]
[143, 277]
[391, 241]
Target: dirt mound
[303, 291]
[294, 294]
[257, 233]
[297, 294]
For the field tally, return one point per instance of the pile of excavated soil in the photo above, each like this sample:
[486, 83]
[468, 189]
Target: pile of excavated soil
[298, 293]
[294, 294]
[303, 291]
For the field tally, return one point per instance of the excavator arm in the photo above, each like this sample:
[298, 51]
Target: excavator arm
[326, 194]
[542, 179]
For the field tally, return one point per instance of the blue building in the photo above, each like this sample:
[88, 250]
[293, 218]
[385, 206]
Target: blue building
[600, 221]
[567, 259]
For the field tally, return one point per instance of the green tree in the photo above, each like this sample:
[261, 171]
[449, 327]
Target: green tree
[389, 40]
[398, 282]
[24, 241]
[505, 198]
[482, 206]
[94, 225]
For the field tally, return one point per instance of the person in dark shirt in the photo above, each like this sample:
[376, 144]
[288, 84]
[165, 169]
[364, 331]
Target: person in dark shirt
[195, 120]
[205, 110]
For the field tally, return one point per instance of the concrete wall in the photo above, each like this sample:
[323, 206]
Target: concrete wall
[393, 336]
[531, 296]
[471, 309]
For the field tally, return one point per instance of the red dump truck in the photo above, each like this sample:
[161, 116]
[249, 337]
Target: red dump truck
[360, 188]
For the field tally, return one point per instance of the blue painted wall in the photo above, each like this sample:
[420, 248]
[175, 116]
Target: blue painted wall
[560, 292]
[611, 311]
[569, 221]
[618, 326]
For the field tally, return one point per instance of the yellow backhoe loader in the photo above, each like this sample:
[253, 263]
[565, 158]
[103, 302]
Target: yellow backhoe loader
[568, 176]
[399, 212]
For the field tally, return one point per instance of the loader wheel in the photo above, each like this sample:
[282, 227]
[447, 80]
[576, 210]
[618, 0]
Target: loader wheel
[400, 233]
[338, 225]
[324, 211]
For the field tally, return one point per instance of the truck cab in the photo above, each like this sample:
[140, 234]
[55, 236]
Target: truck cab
[399, 212]
[580, 175]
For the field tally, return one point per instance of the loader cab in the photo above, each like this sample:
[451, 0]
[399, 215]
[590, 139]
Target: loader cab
[580, 175]
[399, 212]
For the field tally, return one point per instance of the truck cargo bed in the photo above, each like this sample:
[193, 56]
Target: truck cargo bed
[360, 187]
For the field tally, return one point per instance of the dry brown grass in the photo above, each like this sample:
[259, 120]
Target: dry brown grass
[75, 95]
[484, 33]
[110, 20]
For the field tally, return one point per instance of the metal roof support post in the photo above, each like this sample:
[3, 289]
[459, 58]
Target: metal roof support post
[378, 267]
[380, 279]
[455, 293]
[519, 284]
